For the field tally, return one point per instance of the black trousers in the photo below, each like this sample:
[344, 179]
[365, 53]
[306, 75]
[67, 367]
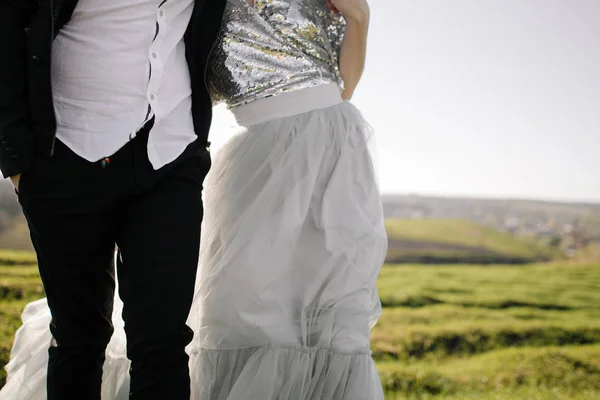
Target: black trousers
[78, 213]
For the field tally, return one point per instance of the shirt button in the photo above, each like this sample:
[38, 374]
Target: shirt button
[162, 13]
[152, 97]
[154, 55]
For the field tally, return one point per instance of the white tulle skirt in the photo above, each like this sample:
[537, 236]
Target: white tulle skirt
[292, 242]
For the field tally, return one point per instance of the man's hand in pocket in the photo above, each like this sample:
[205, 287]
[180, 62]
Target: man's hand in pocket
[15, 181]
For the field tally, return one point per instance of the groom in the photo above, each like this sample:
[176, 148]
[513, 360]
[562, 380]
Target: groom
[104, 118]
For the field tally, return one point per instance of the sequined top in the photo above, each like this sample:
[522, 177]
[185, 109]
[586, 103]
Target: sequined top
[274, 47]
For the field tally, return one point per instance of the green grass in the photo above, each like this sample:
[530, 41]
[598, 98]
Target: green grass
[461, 339]
[490, 332]
[556, 286]
[453, 332]
[566, 369]
[455, 241]
[12, 257]
[19, 282]
[521, 393]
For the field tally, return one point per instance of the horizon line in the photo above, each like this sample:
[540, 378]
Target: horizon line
[456, 196]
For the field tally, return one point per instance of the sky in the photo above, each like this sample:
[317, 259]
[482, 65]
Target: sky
[483, 98]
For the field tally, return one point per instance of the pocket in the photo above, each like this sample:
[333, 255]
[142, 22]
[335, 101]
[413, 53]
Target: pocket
[195, 166]
[22, 181]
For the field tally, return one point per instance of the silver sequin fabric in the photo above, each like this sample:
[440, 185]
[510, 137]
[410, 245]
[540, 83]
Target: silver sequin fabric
[273, 47]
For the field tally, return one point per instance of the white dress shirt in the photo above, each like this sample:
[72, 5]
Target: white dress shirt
[115, 65]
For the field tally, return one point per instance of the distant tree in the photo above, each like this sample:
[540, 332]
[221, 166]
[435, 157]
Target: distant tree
[555, 241]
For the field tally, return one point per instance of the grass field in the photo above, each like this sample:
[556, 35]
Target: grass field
[457, 241]
[453, 332]
[490, 332]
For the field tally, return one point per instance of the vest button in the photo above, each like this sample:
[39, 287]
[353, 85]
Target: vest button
[36, 60]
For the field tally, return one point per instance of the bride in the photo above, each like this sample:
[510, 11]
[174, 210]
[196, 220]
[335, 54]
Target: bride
[293, 235]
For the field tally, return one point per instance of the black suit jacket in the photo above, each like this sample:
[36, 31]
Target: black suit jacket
[27, 30]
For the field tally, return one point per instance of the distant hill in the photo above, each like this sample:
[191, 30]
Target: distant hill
[435, 229]
[491, 210]
[571, 227]
[459, 241]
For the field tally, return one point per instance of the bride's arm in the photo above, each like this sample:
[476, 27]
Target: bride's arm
[354, 46]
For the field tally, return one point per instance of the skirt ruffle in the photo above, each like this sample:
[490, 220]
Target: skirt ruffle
[284, 373]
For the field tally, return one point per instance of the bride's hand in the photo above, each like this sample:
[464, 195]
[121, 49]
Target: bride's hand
[351, 9]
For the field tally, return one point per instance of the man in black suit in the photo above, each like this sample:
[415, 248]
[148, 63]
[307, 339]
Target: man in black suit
[104, 119]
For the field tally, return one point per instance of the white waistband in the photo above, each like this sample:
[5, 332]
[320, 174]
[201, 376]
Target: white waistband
[287, 104]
